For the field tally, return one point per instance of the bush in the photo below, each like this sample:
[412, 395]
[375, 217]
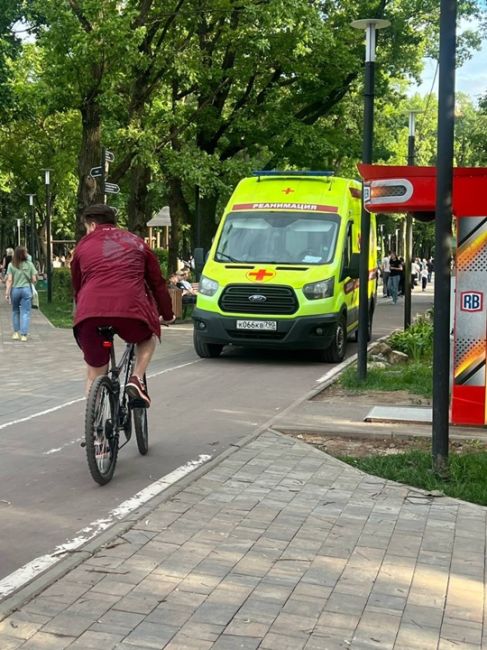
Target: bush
[61, 285]
[162, 254]
[416, 341]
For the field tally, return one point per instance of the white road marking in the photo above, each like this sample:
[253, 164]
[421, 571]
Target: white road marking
[32, 569]
[82, 399]
[39, 413]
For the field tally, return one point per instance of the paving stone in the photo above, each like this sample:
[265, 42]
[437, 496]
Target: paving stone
[274, 641]
[203, 631]
[96, 640]
[151, 635]
[183, 642]
[46, 641]
[10, 643]
[22, 625]
[416, 637]
[229, 642]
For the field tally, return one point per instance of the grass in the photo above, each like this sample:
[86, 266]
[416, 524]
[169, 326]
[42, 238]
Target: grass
[59, 312]
[415, 377]
[467, 471]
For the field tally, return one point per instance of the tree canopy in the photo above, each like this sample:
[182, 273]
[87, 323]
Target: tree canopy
[191, 95]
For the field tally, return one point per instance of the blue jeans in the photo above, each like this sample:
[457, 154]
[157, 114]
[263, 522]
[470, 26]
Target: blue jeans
[394, 286]
[21, 298]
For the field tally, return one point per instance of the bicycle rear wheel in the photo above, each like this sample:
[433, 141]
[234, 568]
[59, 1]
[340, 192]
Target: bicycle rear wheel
[141, 427]
[101, 441]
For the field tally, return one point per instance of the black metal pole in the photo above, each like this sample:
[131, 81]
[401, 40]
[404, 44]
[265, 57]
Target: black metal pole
[48, 244]
[33, 233]
[103, 166]
[443, 225]
[363, 321]
[408, 245]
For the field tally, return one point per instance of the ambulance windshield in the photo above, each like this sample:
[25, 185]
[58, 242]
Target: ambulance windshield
[278, 237]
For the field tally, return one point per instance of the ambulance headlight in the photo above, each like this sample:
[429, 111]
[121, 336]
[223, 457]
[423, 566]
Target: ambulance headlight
[318, 290]
[207, 286]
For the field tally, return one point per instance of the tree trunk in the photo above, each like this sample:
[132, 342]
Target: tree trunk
[89, 190]
[139, 209]
[179, 215]
[207, 217]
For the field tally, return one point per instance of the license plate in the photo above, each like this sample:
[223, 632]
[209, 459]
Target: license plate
[267, 325]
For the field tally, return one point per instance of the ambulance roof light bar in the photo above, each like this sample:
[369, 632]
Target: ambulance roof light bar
[292, 172]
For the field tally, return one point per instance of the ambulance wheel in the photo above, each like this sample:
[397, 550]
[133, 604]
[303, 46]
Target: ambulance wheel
[206, 350]
[337, 348]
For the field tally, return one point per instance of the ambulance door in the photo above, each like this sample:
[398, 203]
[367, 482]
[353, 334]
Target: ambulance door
[350, 286]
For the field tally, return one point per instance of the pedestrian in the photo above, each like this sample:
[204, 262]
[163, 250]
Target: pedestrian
[7, 258]
[395, 275]
[385, 271]
[21, 276]
[415, 270]
[424, 277]
[430, 266]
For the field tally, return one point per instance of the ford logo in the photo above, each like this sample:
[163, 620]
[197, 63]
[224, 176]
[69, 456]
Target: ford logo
[257, 297]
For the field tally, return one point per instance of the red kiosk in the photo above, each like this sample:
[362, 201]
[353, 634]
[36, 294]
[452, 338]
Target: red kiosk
[413, 189]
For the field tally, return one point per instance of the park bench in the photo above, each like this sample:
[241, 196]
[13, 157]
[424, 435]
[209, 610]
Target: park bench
[179, 309]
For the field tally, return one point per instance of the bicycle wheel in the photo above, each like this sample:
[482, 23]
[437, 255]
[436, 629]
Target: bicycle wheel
[141, 428]
[101, 441]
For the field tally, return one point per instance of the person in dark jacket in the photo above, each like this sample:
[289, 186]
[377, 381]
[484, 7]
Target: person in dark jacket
[117, 282]
[396, 269]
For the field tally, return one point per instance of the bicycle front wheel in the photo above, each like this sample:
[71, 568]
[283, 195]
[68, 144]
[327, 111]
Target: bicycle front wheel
[101, 441]
[141, 429]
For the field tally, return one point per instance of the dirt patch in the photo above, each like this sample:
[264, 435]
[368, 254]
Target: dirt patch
[361, 447]
[378, 397]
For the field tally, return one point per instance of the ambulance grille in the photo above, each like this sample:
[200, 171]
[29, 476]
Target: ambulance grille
[278, 300]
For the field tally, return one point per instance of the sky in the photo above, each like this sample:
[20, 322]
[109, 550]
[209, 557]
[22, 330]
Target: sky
[471, 78]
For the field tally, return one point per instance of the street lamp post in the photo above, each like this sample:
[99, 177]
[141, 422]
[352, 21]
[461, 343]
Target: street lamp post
[443, 226]
[32, 226]
[408, 244]
[370, 25]
[47, 183]
[19, 221]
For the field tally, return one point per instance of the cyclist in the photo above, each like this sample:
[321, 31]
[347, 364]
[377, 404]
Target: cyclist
[117, 282]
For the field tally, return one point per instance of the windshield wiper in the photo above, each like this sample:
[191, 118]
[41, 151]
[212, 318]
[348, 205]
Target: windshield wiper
[227, 257]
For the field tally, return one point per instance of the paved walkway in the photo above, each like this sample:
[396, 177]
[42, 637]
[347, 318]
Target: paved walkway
[273, 545]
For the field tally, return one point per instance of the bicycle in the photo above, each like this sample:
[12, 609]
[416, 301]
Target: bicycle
[109, 411]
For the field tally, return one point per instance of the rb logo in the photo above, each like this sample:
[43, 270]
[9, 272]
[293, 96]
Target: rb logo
[471, 301]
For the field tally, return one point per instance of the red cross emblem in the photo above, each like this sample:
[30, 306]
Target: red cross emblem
[288, 190]
[261, 275]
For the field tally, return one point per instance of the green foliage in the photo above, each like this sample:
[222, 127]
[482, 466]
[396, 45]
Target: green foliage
[60, 311]
[416, 341]
[417, 378]
[204, 92]
[161, 254]
[62, 290]
[467, 472]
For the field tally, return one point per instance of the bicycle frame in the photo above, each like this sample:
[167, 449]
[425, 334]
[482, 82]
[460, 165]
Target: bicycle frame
[121, 409]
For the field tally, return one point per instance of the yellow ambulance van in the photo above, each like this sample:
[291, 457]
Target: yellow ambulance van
[282, 271]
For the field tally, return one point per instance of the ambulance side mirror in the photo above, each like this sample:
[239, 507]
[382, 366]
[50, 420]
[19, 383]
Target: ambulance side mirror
[354, 266]
[199, 259]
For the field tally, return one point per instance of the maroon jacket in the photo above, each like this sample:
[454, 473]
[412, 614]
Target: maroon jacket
[114, 273]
